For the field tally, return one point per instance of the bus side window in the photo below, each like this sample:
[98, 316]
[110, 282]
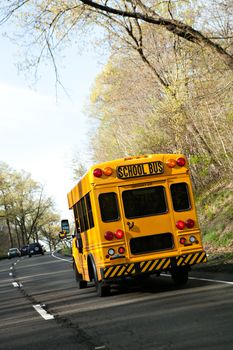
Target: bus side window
[89, 210]
[180, 196]
[76, 217]
[80, 214]
[109, 207]
[84, 211]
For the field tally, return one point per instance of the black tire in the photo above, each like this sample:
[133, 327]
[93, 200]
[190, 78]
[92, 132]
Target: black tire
[82, 284]
[79, 278]
[102, 289]
[180, 275]
[29, 255]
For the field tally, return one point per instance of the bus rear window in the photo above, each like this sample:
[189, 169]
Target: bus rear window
[144, 202]
[109, 207]
[180, 196]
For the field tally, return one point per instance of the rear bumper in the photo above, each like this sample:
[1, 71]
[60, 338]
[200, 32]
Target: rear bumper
[152, 266]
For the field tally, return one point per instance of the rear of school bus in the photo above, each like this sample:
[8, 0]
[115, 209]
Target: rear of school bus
[145, 219]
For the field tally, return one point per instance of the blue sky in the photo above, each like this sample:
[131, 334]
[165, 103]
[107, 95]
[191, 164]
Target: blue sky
[39, 132]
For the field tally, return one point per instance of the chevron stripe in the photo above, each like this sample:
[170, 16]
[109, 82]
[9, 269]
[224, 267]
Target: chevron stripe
[153, 265]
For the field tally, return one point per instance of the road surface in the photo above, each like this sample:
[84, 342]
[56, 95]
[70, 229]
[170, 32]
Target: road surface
[42, 308]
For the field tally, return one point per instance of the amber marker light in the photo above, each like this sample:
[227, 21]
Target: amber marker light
[171, 163]
[107, 171]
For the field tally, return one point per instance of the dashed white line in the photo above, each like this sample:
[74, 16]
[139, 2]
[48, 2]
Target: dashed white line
[43, 312]
[57, 257]
[17, 284]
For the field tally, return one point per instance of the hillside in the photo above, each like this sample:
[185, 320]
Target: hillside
[215, 212]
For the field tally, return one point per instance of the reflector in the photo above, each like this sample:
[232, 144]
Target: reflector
[121, 250]
[182, 240]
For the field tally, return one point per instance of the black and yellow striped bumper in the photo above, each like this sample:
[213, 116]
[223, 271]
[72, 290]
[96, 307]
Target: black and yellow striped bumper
[152, 266]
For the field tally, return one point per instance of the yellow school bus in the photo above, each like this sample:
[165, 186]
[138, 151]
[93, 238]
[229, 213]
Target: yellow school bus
[135, 217]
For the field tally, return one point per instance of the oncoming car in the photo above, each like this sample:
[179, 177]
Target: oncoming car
[13, 252]
[34, 249]
[24, 250]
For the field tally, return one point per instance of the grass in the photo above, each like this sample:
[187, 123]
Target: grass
[215, 212]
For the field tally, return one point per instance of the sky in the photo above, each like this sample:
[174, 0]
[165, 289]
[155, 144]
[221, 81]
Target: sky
[40, 132]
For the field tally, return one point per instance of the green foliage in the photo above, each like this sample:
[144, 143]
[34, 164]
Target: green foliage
[215, 208]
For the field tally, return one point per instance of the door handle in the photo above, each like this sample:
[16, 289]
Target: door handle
[130, 224]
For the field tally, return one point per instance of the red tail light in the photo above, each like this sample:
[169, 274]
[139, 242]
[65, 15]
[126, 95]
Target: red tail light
[97, 172]
[190, 223]
[119, 234]
[109, 235]
[182, 240]
[180, 225]
[180, 162]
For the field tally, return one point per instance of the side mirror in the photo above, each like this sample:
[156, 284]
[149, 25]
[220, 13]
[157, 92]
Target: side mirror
[65, 227]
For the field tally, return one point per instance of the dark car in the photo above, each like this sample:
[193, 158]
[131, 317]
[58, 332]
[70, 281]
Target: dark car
[35, 248]
[24, 250]
[13, 252]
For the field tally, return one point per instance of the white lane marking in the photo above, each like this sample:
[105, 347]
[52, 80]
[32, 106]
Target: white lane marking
[10, 274]
[43, 312]
[57, 257]
[17, 284]
[202, 279]
[210, 280]
[11, 268]
[100, 347]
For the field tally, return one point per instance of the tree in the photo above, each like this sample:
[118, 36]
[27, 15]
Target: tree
[192, 116]
[24, 206]
[48, 24]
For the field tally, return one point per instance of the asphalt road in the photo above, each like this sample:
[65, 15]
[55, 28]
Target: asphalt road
[152, 316]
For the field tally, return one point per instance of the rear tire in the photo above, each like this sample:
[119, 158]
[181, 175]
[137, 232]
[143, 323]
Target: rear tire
[102, 289]
[82, 284]
[180, 275]
[79, 278]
